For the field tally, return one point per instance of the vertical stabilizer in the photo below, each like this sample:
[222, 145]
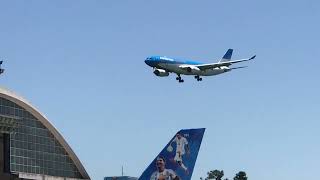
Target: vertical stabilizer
[227, 56]
[1, 70]
[177, 159]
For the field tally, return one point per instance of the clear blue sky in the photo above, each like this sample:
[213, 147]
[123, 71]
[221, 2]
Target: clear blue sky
[82, 64]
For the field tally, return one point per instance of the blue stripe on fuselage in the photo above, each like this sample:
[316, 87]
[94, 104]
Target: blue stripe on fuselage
[179, 62]
[154, 61]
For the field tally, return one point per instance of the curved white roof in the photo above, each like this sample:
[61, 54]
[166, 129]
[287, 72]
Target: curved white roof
[9, 95]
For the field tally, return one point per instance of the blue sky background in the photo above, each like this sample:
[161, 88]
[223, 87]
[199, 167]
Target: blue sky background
[82, 64]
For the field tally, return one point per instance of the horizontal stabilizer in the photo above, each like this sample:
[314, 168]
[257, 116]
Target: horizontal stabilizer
[239, 67]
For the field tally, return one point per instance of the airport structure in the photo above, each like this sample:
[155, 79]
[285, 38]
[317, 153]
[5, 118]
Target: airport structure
[120, 178]
[31, 147]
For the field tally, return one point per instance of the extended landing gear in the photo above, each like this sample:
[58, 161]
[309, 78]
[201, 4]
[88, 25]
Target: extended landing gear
[198, 78]
[179, 79]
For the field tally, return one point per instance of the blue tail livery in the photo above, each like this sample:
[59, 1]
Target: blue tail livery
[177, 159]
[227, 56]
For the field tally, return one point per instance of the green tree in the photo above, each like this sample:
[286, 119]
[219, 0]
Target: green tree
[215, 175]
[241, 175]
[218, 175]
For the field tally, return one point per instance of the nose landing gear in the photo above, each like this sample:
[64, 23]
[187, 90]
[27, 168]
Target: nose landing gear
[198, 78]
[179, 79]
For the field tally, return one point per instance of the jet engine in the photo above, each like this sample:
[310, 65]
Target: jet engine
[160, 72]
[192, 69]
[225, 68]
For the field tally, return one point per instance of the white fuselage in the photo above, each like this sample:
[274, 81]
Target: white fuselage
[178, 70]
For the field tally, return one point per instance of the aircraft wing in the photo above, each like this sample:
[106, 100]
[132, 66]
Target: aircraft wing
[224, 63]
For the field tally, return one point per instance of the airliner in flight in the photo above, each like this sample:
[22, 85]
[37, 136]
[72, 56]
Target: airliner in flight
[163, 65]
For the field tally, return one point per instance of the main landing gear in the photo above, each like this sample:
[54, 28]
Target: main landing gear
[198, 78]
[179, 79]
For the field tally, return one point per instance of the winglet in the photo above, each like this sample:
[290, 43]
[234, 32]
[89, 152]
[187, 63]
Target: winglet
[252, 57]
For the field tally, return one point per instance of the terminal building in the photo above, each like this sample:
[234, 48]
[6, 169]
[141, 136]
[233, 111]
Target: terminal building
[120, 178]
[31, 147]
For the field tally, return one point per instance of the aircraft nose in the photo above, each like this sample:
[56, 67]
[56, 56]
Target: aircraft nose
[148, 62]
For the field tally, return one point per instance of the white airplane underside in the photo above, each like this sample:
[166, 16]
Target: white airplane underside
[176, 68]
[162, 66]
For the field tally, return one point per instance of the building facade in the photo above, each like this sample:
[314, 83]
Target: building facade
[120, 178]
[31, 148]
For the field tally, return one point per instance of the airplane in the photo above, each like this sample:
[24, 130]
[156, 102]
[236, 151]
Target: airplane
[163, 65]
[177, 159]
[1, 70]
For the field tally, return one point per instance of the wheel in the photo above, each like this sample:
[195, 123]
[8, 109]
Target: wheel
[200, 79]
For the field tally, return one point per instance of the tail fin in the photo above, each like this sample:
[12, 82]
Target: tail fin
[1, 70]
[227, 56]
[177, 159]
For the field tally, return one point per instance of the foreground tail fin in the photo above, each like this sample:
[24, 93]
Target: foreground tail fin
[1, 70]
[177, 159]
[227, 56]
